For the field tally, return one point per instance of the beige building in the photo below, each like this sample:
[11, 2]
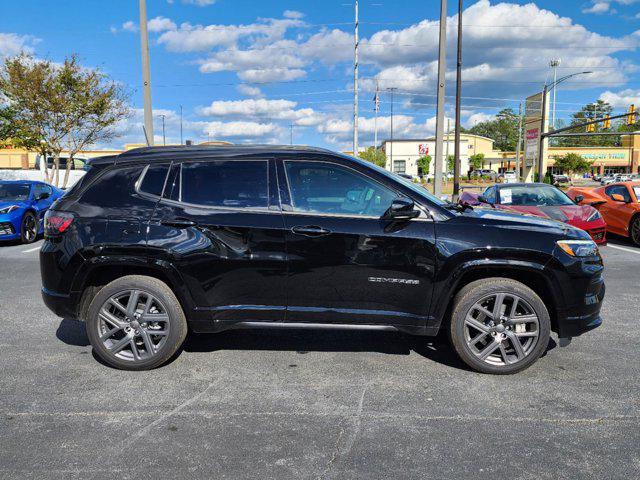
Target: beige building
[404, 153]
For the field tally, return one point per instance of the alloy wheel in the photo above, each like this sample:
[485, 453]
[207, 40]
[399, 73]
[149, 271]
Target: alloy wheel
[133, 325]
[501, 329]
[30, 228]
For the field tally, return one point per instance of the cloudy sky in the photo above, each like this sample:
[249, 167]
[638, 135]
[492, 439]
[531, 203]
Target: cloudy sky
[247, 71]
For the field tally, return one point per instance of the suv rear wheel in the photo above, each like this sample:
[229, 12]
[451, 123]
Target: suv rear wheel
[136, 323]
[499, 326]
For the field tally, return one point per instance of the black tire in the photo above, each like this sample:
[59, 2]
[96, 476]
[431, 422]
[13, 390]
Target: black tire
[634, 230]
[176, 319]
[474, 292]
[27, 232]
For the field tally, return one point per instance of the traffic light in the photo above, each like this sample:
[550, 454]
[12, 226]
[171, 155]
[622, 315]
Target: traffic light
[607, 122]
[591, 128]
[631, 118]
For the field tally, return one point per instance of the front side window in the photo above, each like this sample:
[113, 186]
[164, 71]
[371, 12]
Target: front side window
[232, 184]
[326, 188]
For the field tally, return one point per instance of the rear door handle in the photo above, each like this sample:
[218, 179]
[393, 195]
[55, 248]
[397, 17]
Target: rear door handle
[178, 223]
[310, 231]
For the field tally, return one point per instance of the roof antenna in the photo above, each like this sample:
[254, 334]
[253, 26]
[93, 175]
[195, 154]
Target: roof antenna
[146, 137]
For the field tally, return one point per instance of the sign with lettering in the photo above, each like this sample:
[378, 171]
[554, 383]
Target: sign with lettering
[423, 149]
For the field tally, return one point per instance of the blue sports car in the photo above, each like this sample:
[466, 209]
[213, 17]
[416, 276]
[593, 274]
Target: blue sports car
[23, 204]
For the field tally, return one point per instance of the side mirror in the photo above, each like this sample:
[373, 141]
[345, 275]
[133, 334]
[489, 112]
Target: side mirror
[401, 209]
[578, 199]
[616, 197]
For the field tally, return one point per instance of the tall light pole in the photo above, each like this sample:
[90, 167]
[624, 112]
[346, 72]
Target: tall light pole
[164, 138]
[442, 69]
[181, 125]
[376, 108]
[355, 86]
[146, 74]
[391, 89]
[555, 63]
[456, 152]
[519, 148]
[544, 124]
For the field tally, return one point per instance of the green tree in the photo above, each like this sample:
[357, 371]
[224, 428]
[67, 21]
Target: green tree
[503, 130]
[591, 111]
[477, 161]
[573, 163]
[424, 163]
[374, 156]
[62, 106]
[451, 161]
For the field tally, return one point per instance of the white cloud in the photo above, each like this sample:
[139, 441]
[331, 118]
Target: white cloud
[130, 26]
[250, 91]
[621, 99]
[275, 110]
[239, 130]
[199, 3]
[598, 7]
[12, 44]
[293, 14]
[161, 24]
[478, 117]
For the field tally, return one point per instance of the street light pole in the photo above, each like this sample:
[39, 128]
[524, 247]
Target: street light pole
[519, 148]
[442, 69]
[355, 87]
[456, 161]
[164, 138]
[555, 63]
[181, 143]
[146, 74]
[543, 120]
[391, 89]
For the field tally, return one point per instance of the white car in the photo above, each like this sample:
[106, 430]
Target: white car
[509, 176]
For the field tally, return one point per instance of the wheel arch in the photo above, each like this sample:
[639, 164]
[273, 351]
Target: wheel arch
[533, 275]
[101, 271]
[634, 217]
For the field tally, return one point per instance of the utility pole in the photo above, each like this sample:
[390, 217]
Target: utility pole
[442, 69]
[376, 108]
[446, 155]
[164, 138]
[555, 63]
[181, 143]
[391, 89]
[519, 148]
[146, 73]
[355, 87]
[456, 161]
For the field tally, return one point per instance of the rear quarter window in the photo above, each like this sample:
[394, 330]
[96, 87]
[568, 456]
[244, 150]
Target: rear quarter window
[154, 179]
[113, 187]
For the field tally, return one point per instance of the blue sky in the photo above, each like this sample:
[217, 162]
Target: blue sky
[244, 71]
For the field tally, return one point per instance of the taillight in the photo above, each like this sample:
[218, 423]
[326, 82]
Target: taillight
[56, 223]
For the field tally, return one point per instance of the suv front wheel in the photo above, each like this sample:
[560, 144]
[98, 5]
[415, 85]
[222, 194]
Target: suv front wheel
[499, 326]
[136, 323]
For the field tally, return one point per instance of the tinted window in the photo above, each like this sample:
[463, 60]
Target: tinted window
[113, 188]
[235, 184]
[14, 192]
[525, 195]
[332, 189]
[172, 190]
[620, 190]
[490, 194]
[153, 181]
[40, 189]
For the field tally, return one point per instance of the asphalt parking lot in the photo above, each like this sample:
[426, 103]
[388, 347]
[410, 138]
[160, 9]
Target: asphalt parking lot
[315, 404]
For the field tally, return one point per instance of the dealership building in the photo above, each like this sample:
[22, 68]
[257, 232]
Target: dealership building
[403, 155]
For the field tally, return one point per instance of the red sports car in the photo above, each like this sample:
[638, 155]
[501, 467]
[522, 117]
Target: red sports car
[541, 200]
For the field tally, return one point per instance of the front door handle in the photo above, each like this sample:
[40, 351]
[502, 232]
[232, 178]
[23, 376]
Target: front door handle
[310, 231]
[178, 222]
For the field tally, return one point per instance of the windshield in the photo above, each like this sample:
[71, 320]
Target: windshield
[14, 192]
[405, 181]
[526, 195]
[636, 190]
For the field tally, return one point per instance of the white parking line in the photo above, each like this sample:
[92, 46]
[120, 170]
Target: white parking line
[31, 250]
[637, 252]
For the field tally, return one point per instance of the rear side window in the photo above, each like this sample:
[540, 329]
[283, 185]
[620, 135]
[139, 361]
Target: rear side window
[238, 183]
[113, 187]
[154, 178]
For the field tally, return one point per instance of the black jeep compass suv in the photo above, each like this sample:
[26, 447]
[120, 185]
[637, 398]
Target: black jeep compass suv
[158, 240]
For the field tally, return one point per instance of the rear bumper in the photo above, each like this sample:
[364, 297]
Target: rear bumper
[62, 305]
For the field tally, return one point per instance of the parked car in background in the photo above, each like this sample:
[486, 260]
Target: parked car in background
[560, 178]
[218, 238]
[491, 174]
[607, 179]
[77, 164]
[23, 205]
[508, 177]
[541, 200]
[618, 204]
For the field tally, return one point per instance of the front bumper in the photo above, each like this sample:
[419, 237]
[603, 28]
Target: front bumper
[10, 225]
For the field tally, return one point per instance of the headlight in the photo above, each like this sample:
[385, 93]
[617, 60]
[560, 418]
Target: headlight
[578, 248]
[8, 209]
[594, 216]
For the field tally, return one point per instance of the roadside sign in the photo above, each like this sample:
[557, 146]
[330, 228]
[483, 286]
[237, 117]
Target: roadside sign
[531, 146]
[423, 149]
